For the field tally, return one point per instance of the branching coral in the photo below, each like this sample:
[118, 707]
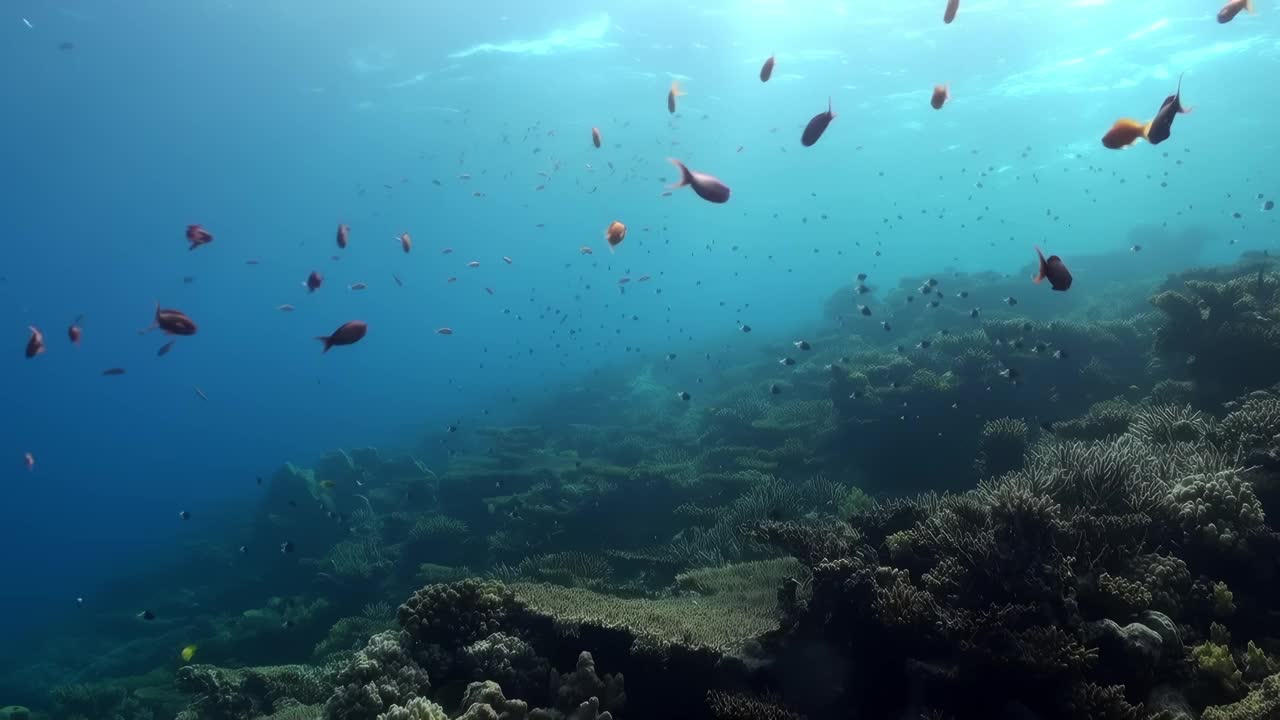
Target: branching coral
[1002, 447]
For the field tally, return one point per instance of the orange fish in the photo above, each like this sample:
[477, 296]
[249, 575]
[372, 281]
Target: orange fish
[672, 94]
[616, 233]
[595, 136]
[197, 236]
[406, 242]
[35, 343]
[343, 233]
[766, 70]
[953, 6]
[1124, 133]
[1233, 8]
[941, 94]
[444, 331]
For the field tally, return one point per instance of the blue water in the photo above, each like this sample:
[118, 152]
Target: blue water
[270, 123]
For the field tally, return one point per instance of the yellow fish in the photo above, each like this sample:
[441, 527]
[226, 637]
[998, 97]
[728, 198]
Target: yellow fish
[188, 652]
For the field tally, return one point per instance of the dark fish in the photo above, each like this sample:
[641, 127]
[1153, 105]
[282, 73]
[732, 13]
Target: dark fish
[286, 547]
[171, 322]
[343, 233]
[802, 345]
[1161, 126]
[941, 94]
[1233, 8]
[766, 70]
[184, 515]
[817, 125]
[672, 94]
[314, 281]
[775, 390]
[147, 615]
[74, 332]
[595, 137]
[35, 343]
[683, 395]
[66, 45]
[1056, 272]
[1009, 374]
[113, 371]
[708, 187]
[165, 348]
[197, 236]
[346, 334]
[953, 6]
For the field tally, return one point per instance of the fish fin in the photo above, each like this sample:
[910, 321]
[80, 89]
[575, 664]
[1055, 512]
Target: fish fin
[829, 112]
[1248, 6]
[327, 340]
[675, 88]
[685, 177]
[1146, 130]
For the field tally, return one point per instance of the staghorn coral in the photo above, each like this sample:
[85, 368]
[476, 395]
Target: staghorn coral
[574, 569]
[380, 676]
[740, 706]
[1168, 424]
[1104, 419]
[456, 614]
[1002, 447]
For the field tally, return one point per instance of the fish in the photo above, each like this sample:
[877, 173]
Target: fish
[473, 264]
[396, 277]
[29, 461]
[802, 345]
[953, 6]
[35, 343]
[1010, 301]
[446, 251]
[343, 233]
[347, 333]
[684, 395]
[73, 330]
[1009, 374]
[147, 615]
[184, 514]
[285, 308]
[615, 234]
[1055, 271]
[941, 94]
[406, 242]
[357, 286]
[444, 331]
[672, 94]
[1123, 133]
[787, 361]
[1161, 126]
[1233, 8]
[506, 259]
[197, 236]
[887, 327]
[328, 484]
[286, 547]
[171, 322]
[200, 394]
[708, 187]
[766, 70]
[314, 281]
[113, 371]
[817, 125]
[165, 348]
[595, 136]
[745, 328]
[584, 250]
[775, 390]
[188, 652]
[866, 311]
[1135, 248]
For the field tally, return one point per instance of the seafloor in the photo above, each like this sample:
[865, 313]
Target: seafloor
[1055, 509]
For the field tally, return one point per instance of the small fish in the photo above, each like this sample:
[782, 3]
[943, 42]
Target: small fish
[473, 264]
[29, 461]
[506, 259]
[197, 236]
[406, 242]
[745, 328]
[1059, 354]
[584, 250]
[615, 234]
[862, 277]
[817, 125]
[447, 251]
[165, 348]
[1123, 133]
[708, 187]
[953, 6]
[595, 136]
[766, 70]
[1135, 248]
[444, 331]
[147, 615]
[923, 345]
[1009, 374]
[328, 484]
[775, 390]
[357, 286]
[672, 94]
[802, 345]
[1055, 270]
[1010, 301]
[184, 514]
[74, 332]
[683, 395]
[188, 652]
[286, 547]
[314, 281]
[397, 279]
[787, 361]
[643, 278]
[113, 371]
[862, 289]
[286, 624]
[962, 294]
[887, 327]
[171, 322]
[974, 313]
[79, 602]
[348, 333]
[1161, 126]
[1225, 15]
[285, 308]
[671, 356]
[200, 394]
[35, 343]
[941, 94]
[866, 311]
[28, 24]
[344, 232]
[243, 549]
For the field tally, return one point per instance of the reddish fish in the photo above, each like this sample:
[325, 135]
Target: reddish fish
[197, 236]
[1233, 8]
[35, 343]
[817, 125]
[1055, 271]
[941, 94]
[1124, 133]
[672, 94]
[344, 232]
[406, 242]
[708, 187]
[171, 322]
[347, 334]
[615, 234]
[595, 136]
[74, 332]
[314, 281]
[766, 70]
[953, 6]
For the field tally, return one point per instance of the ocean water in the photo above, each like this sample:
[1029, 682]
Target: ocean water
[468, 125]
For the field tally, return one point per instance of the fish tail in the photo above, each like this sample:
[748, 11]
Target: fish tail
[675, 88]
[685, 177]
[327, 340]
[829, 112]
[1248, 6]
